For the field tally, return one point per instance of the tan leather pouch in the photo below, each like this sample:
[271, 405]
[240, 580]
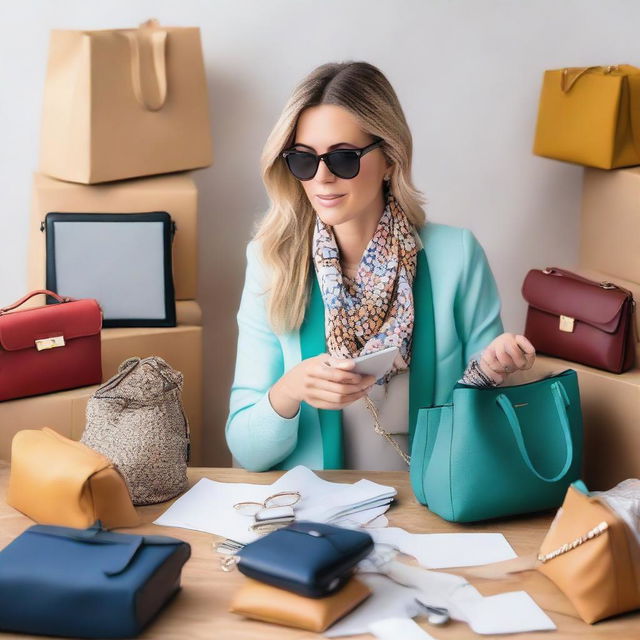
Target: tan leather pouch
[55, 480]
[592, 556]
[263, 602]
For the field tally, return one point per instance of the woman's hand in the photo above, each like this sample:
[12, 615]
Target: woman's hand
[323, 382]
[506, 354]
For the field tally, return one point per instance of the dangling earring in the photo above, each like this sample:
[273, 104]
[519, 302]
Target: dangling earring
[386, 186]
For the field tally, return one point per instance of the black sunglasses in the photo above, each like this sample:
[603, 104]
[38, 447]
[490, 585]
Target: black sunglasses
[344, 163]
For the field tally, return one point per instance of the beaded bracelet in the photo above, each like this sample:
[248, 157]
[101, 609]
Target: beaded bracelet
[476, 377]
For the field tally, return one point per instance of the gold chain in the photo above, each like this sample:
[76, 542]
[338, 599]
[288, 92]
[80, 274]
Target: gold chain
[377, 427]
[594, 533]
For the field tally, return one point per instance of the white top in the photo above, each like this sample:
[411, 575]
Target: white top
[363, 447]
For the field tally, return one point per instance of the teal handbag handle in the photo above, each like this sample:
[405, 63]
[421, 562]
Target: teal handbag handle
[562, 401]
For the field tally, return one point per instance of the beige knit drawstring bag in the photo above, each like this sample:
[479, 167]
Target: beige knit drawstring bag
[137, 420]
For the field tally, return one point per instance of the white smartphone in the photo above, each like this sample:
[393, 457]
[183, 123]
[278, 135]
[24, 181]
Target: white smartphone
[377, 363]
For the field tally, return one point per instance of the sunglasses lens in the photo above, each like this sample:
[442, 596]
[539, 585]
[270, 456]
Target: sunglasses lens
[344, 163]
[302, 165]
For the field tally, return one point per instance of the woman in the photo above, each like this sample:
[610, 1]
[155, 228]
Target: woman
[343, 265]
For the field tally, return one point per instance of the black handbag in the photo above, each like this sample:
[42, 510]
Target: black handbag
[309, 558]
[123, 260]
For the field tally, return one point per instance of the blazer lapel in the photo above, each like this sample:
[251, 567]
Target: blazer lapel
[313, 343]
[422, 381]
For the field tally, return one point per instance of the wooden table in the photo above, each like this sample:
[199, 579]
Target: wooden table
[199, 611]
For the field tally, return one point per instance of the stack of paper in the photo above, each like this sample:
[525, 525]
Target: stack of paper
[208, 506]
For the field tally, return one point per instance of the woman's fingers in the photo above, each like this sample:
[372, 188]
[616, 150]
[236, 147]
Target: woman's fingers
[491, 366]
[336, 388]
[529, 351]
[328, 383]
[333, 373]
[509, 353]
[517, 355]
[524, 343]
[323, 399]
[496, 359]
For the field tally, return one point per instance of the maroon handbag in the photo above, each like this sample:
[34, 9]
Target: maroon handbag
[49, 348]
[577, 319]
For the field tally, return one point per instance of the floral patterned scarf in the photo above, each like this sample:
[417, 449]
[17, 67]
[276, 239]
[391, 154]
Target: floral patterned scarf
[375, 310]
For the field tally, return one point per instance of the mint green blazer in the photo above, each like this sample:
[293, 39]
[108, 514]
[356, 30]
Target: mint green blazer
[457, 314]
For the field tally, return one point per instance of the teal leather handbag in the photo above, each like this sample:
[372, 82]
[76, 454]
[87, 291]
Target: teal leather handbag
[500, 451]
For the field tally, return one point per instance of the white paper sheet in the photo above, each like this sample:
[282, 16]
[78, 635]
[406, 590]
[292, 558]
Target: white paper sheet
[512, 612]
[398, 628]
[208, 506]
[388, 600]
[446, 550]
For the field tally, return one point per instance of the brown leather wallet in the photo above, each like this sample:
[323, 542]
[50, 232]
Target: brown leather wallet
[263, 602]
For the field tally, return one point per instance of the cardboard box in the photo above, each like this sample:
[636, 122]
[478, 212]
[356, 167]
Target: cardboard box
[177, 194]
[610, 225]
[188, 313]
[64, 411]
[611, 412]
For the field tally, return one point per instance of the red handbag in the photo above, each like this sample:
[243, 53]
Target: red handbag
[581, 320]
[49, 348]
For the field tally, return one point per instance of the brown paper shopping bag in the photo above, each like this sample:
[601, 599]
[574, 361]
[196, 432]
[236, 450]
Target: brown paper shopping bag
[124, 103]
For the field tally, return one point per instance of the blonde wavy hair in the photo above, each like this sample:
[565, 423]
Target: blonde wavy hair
[285, 233]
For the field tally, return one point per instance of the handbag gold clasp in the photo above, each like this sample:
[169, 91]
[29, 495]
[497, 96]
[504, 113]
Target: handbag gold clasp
[566, 324]
[50, 343]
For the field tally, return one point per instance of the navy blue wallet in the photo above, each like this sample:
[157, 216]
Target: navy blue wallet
[87, 583]
[309, 558]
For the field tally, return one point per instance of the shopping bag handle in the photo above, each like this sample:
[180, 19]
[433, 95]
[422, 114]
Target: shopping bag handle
[22, 300]
[561, 400]
[567, 81]
[158, 40]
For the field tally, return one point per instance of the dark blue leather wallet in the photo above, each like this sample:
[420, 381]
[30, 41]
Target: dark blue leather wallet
[308, 558]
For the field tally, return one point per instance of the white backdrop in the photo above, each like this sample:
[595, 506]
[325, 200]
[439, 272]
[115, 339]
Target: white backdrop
[467, 73]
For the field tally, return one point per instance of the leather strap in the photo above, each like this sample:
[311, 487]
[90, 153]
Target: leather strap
[45, 292]
[567, 81]
[555, 271]
[157, 38]
[561, 400]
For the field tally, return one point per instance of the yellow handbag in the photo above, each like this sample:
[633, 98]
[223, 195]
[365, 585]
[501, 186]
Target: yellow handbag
[590, 116]
[593, 555]
[55, 480]
[270, 604]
